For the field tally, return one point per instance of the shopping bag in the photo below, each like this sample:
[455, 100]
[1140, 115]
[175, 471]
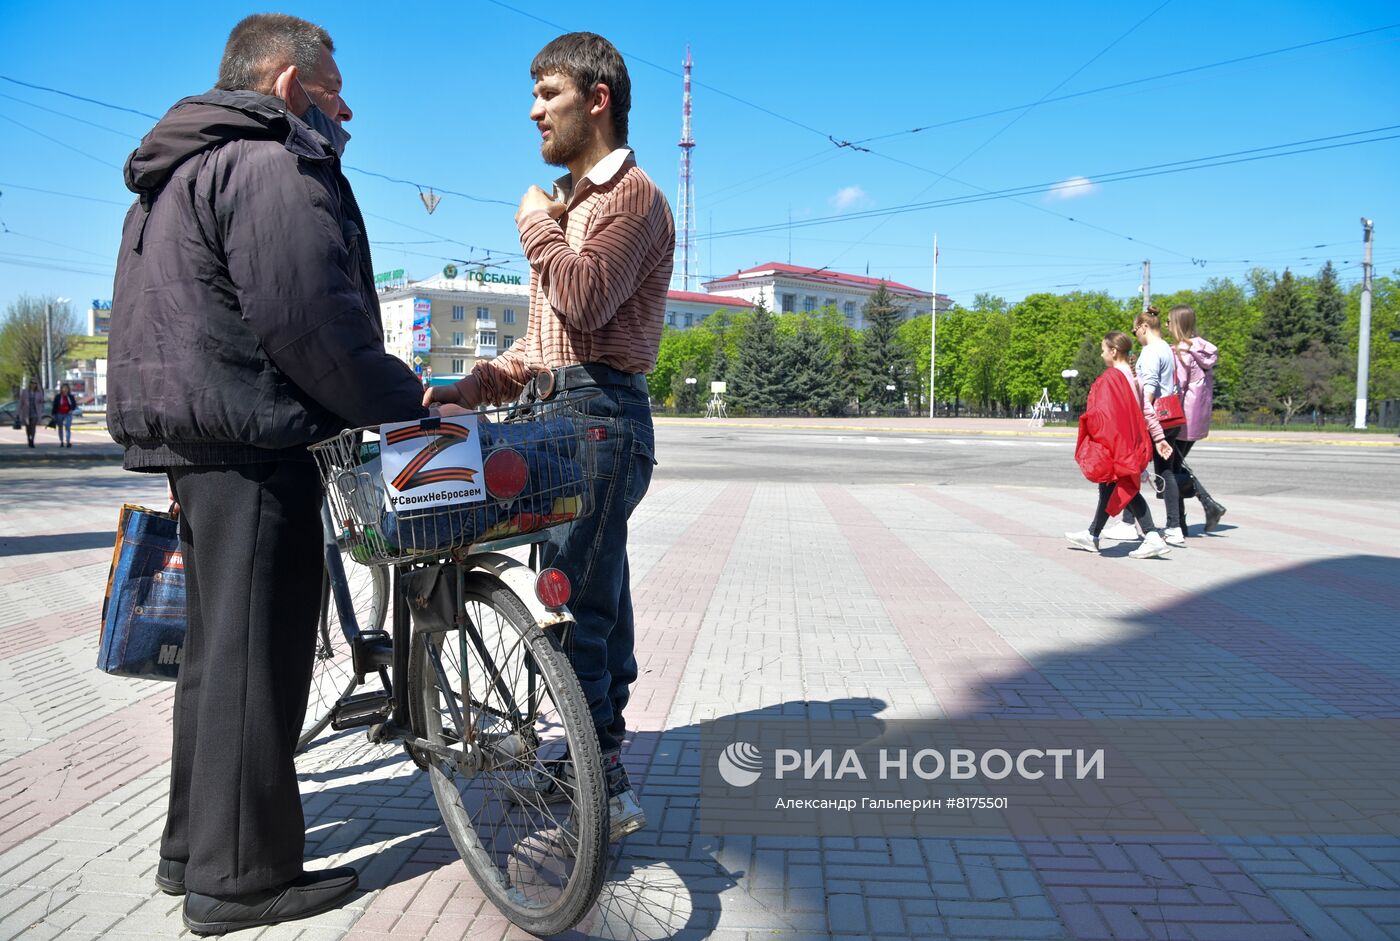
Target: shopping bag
[143, 613]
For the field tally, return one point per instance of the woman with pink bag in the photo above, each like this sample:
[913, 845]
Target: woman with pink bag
[1195, 378]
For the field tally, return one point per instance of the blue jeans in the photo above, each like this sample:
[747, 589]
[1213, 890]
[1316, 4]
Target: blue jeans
[65, 427]
[593, 553]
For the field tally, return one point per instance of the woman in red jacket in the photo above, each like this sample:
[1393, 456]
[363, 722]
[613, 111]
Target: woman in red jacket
[1113, 448]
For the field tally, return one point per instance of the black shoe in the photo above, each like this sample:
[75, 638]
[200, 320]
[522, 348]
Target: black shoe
[1213, 514]
[309, 894]
[170, 876]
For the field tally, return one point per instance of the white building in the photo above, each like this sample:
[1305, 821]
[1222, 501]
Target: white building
[787, 289]
[688, 308]
[442, 326]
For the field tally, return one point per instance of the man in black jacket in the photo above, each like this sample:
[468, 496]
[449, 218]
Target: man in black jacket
[245, 326]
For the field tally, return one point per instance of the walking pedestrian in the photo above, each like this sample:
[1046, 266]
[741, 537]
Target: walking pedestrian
[64, 407]
[245, 326]
[1118, 433]
[600, 253]
[1156, 374]
[31, 408]
[1196, 358]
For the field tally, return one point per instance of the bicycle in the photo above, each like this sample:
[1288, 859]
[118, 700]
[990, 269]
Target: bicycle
[474, 679]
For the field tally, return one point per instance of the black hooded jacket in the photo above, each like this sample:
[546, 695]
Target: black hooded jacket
[245, 324]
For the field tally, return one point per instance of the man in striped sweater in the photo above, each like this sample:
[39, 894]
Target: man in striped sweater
[600, 251]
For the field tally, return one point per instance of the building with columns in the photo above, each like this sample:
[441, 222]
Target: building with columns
[787, 289]
[442, 326]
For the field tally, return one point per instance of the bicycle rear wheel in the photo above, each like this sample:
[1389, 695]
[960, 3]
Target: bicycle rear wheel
[507, 684]
[333, 671]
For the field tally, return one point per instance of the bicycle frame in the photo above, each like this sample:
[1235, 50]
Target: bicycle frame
[390, 660]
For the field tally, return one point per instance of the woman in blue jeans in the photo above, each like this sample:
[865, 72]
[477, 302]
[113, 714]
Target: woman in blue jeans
[64, 407]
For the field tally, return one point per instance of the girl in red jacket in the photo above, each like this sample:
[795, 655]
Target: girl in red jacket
[1113, 448]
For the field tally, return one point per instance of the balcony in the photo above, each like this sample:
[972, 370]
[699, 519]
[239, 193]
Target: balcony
[485, 325]
[486, 350]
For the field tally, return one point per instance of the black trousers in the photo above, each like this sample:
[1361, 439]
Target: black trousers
[251, 537]
[1135, 510]
[1170, 494]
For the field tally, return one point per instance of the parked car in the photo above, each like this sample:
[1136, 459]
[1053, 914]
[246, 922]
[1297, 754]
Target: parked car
[9, 410]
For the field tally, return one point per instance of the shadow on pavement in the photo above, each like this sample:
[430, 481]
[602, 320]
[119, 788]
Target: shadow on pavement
[1319, 640]
[58, 542]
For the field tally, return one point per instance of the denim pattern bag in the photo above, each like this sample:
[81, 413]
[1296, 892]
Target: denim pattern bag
[143, 613]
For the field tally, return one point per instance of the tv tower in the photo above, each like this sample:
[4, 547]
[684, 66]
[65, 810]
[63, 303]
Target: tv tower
[684, 276]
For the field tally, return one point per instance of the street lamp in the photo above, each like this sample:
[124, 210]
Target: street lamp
[1069, 375]
[48, 342]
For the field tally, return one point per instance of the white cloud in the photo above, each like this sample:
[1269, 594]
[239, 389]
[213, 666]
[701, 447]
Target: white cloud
[847, 197]
[1072, 188]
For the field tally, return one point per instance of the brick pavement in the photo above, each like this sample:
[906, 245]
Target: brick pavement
[771, 600]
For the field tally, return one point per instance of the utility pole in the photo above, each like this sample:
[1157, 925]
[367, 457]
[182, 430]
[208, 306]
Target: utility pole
[1363, 347]
[48, 346]
[933, 332]
[1146, 285]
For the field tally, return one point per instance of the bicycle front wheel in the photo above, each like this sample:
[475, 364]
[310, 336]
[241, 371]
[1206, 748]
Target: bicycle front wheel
[333, 670]
[498, 695]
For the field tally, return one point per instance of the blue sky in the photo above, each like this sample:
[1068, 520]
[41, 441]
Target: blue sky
[441, 97]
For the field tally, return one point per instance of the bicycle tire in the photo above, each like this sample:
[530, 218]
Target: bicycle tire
[332, 671]
[507, 873]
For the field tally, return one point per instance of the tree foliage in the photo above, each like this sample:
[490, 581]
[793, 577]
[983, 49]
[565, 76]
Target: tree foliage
[1288, 347]
[22, 339]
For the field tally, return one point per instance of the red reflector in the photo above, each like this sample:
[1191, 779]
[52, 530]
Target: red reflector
[506, 474]
[552, 588]
[598, 433]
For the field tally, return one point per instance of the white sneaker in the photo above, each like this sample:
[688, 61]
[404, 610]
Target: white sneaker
[625, 815]
[1174, 538]
[1122, 532]
[1083, 540]
[1153, 547]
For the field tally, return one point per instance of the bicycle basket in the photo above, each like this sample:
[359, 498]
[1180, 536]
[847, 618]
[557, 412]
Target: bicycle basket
[539, 470]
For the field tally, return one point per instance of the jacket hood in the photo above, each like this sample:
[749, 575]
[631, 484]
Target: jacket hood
[1205, 352]
[209, 120]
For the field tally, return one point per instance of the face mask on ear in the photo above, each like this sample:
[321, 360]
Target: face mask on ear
[334, 134]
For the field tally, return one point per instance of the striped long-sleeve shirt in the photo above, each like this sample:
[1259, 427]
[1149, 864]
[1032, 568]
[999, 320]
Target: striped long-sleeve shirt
[598, 279]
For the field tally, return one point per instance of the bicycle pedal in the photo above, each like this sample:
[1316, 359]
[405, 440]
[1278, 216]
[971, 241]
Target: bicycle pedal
[361, 709]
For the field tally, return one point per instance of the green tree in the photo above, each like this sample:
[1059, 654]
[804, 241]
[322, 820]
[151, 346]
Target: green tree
[913, 338]
[1383, 372]
[686, 395]
[848, 363]
[22, 338]
[1030, 367]
[885, 362]
[806, 364]
[1287, 328]
[1089, 363]
[1331, 306]
[754, 375]
[955, 327]
[678, 347]
[984, 373]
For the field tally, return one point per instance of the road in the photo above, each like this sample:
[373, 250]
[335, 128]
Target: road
[694, 450]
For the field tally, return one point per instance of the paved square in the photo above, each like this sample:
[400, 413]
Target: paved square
[770, 597]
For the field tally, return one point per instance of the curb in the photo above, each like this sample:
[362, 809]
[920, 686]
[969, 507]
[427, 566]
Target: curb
[992, 433]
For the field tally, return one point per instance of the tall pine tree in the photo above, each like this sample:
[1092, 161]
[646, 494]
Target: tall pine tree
[807, 367]
[755, 377]
[1331, 309]
[885, 361]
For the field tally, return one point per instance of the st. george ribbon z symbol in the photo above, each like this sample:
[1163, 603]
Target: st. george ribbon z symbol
[444, 436]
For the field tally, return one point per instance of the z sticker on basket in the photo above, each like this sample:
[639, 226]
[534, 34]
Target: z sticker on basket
[431, 462]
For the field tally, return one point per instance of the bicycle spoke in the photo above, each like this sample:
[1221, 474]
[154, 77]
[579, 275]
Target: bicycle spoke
[506, 708]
